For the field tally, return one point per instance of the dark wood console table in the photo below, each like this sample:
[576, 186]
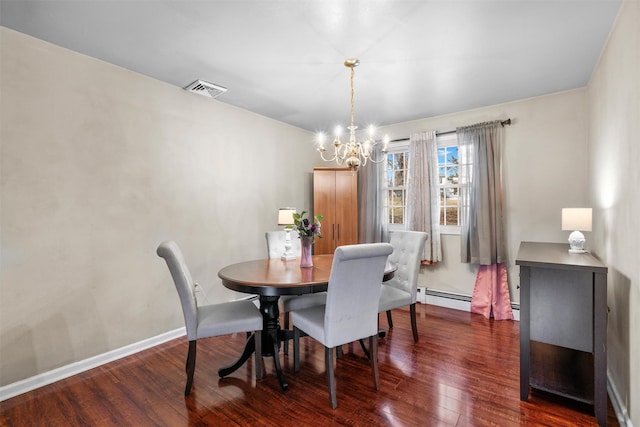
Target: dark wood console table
[563, 324]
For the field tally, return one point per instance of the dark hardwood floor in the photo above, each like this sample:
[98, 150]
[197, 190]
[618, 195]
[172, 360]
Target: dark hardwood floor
[463, 372]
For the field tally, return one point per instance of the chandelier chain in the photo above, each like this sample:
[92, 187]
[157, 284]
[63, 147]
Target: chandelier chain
[353, 93]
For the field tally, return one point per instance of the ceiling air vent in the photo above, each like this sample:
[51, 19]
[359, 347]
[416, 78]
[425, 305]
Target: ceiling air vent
[206, 89]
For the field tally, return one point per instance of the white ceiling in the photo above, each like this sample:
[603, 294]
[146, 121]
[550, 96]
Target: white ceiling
[284, 59]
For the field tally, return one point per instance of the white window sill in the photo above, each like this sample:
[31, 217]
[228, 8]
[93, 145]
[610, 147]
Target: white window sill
[445, 229]
[450, 229]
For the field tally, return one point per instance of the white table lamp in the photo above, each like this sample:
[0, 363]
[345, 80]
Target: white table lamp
[577, 220]
[285, 217]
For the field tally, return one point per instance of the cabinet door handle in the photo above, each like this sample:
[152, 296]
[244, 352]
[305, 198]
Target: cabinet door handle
[333, 232]
[338, 231]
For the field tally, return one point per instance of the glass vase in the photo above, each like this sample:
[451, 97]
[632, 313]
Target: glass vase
[306, 245]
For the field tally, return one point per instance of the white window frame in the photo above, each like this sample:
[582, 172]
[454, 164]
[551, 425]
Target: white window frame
[401, 147]
[449, 140]
[446, 140]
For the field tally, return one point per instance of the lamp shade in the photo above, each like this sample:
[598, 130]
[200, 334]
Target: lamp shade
[576, 219]
[285, 216]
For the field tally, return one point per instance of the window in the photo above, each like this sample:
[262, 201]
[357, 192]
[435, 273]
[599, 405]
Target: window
[394, 186]
[448, 182]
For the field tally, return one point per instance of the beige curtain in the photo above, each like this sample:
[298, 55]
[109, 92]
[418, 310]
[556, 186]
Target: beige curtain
[482, 233]
[424, 200]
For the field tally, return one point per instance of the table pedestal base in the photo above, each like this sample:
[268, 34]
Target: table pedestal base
[271, 337]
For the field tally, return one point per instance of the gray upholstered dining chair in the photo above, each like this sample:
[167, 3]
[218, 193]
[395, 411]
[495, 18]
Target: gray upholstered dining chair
[209, 320]
[288, 303]
[402, 289]
[356, 275]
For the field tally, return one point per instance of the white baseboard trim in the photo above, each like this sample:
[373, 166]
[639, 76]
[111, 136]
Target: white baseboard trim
[618, 406]
[455, 304]
[454, 301]
[32, 383]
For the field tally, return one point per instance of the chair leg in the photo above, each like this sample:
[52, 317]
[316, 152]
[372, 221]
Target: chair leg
[373, 348]
[296, 349]
[191, 366]
[414, 325]
[364, 348]
[331, 379]
[389, 319]
[257, 336]
[286, 327]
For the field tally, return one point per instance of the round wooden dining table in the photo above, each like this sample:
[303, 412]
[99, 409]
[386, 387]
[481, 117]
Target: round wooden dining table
[270, 279]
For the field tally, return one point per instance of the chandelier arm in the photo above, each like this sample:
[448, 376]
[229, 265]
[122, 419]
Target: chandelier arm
[325, 159]
[339, 153]
[376, 161]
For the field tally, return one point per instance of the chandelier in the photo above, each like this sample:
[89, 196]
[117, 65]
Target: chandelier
[353, 153]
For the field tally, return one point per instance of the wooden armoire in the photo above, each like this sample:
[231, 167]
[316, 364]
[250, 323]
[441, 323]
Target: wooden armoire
[335, 196]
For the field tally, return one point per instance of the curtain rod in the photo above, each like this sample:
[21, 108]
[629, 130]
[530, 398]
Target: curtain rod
[449, 132]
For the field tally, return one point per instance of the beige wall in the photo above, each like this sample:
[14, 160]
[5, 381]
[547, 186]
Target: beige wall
[614, 148]
[98, 166]
[545, 169]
